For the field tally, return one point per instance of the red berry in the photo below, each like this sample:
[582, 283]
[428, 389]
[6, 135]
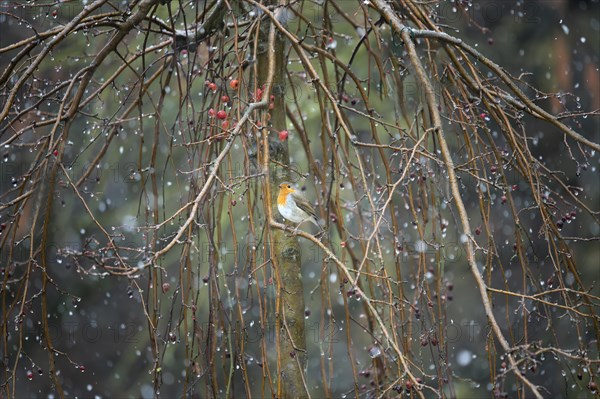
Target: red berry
[225, 99]
[30, 375]
[271, 105]
[283, 135]
[166, 287]
[234, 84]
[211, 112]
[55, 153]
[212, 86]
[221, 114]
[225, 125]
[54, 13]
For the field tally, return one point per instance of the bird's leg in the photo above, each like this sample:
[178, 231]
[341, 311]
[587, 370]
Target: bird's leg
[299, 224]
[291, 230]
[288, 229]
[318, 235]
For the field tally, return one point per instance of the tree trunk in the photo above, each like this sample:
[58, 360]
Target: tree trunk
[287, 263]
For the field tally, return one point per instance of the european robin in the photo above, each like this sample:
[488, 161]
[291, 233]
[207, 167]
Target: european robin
[294, 207]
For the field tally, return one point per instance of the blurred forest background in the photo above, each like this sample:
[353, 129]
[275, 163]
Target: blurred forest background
[126, 274]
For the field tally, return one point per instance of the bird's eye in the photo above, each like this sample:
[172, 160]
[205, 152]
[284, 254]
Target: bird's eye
[289, 186]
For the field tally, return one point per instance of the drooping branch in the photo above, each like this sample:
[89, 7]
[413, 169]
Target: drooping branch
[436, 119]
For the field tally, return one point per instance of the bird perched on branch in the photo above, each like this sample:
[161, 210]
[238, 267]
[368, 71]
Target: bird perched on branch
[294, 207]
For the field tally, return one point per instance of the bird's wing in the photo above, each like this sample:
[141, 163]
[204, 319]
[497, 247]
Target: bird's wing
[305, 206]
